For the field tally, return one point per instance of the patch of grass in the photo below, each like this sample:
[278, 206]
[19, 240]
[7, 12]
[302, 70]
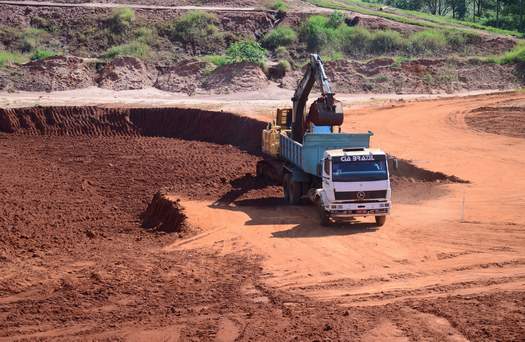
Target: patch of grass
[196, 30]
[384, 41]
[280, 6]
[427, 41]
[133, 49]
[516, 55]
[121, 19]
[43, 54]
[279, 36]
[284, 65]
[238, 52]
[282, 53]
[217, 60]
[8, 57]
[31, 38]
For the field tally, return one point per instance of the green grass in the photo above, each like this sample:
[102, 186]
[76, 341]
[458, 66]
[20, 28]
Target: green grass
[8, 57]
[134, 49]
[516, 55]
[121, 19]
[279, 36]
[216, 60]
[43, 54]
[280, 6]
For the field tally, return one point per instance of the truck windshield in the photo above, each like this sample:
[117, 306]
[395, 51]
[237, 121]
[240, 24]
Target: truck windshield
[353, 170]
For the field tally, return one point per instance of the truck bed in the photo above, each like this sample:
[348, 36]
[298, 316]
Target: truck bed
[307, 156]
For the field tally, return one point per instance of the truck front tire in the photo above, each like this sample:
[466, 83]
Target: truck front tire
[324, 216]
[380, 220]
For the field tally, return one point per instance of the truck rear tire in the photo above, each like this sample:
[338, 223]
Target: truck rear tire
[380, 220]
[286, 188]
[292, 190]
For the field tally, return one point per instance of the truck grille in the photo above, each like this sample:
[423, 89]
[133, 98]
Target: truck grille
[354, 195]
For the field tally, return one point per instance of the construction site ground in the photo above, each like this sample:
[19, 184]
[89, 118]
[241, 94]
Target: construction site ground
[78, 261]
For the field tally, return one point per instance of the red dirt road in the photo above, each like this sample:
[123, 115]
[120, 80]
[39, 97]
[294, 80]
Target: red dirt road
[76, 263]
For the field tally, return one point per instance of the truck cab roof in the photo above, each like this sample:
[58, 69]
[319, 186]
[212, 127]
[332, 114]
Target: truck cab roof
[354, 151]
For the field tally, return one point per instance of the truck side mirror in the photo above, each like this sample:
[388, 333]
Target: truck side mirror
[395, 163]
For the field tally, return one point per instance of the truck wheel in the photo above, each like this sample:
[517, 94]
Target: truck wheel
[324, 216]
[380, 220]
[295, 192]
[286, 188]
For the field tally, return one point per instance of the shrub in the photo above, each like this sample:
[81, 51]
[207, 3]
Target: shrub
[280, 36]
[284, 65]
[427, 41]
[43, 54]
[134, 49]
[31, 39]
[196, 29]
[121, 19]
[386, 41]
[8, 57]
[317, 34]
[355, 40]
[335, 19]
[246, 51]
[280, 6]
[145, 35]
[282, 53]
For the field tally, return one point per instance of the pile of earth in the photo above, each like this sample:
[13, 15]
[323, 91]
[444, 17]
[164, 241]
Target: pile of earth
[123, 73]
[184, 77]
[238, 77]
[385, 75]
[54, 73]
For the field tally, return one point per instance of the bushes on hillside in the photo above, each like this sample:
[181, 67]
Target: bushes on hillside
[121, 19]
[197, 30]
[427, 41]
[280, 36]
[246, 51]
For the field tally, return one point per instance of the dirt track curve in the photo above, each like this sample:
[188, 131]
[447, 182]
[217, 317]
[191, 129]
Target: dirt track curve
[78, 261]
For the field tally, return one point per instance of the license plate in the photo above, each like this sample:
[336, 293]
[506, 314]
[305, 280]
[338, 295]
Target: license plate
[360, 211]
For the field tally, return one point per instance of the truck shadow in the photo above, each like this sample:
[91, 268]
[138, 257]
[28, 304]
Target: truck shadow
[303, 219]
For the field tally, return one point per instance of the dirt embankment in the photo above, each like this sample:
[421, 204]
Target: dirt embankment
[385, 75]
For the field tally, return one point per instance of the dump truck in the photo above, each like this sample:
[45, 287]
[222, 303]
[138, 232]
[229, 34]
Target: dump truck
[315, 162]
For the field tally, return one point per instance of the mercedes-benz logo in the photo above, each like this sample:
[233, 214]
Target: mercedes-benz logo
[360, 195]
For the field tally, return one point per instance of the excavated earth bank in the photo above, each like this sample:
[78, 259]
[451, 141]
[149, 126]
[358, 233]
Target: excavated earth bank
[77, 263]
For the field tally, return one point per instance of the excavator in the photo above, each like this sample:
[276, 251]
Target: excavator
[315, 162]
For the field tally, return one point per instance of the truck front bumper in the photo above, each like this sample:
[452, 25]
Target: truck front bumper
[358, 209]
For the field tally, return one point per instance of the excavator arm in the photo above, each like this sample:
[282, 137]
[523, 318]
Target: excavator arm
[323, 111]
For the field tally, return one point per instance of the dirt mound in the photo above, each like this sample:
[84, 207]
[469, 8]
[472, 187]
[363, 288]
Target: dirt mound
[54, 73]
[505, 120]
[184, 77]
[235, 78]
[164, 214]
[124, 73]
[405, 170]
[189, 124]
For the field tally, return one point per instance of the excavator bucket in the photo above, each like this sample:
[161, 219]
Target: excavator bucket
[321, 114]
